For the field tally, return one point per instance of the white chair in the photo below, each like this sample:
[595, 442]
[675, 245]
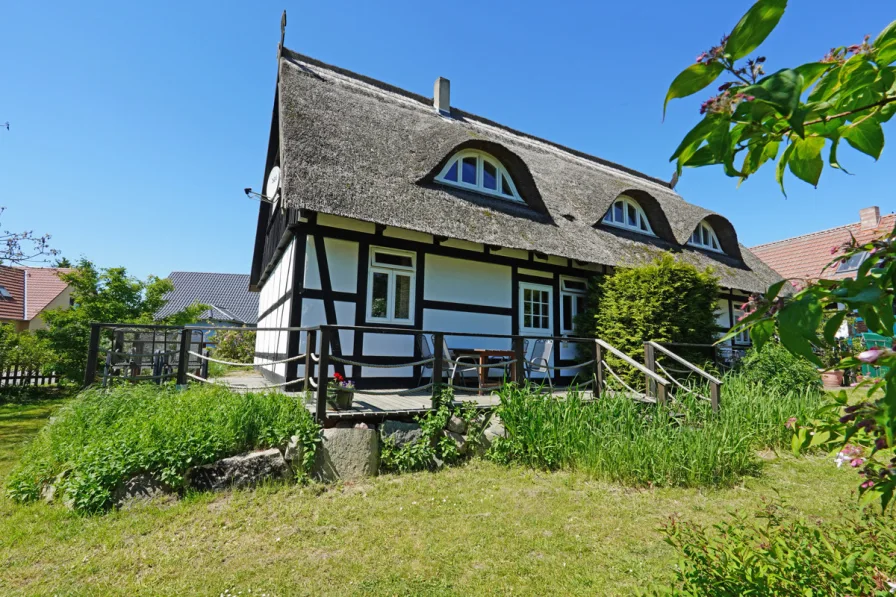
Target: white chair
[539, 360]
[426, 351]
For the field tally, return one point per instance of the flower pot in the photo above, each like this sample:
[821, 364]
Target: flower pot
[340, 399]
[832, 379]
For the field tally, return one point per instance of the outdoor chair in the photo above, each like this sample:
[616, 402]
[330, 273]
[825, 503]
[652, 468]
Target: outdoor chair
[452, 370]
[539, 360]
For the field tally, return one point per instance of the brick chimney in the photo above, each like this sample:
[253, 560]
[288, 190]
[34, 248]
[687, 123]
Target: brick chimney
[442, 95]
[869, 217]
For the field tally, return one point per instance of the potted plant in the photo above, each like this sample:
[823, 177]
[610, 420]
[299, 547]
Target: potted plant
[830, 356]
[340, 392]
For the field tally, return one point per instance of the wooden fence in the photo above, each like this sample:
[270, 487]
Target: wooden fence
[16, 374]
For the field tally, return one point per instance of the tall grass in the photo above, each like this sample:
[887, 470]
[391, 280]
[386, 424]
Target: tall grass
[105, 437]
[618, 439]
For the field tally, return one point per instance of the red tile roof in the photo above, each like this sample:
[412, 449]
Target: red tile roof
[804, 257]
[42, 285]
[13, 280]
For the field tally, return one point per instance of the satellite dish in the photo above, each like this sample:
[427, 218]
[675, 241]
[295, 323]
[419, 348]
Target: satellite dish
[272, 187]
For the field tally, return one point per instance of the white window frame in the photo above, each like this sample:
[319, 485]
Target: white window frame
[501, 174]
[392, 271]
[743, 337]
[530, 331]
[712, 245]
[573, 293]
[610, 217]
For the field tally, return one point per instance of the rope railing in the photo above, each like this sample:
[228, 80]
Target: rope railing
[315, 357]
[345, 361]
[386, 392]
[480, 365]
[311, 382]
[264, 364]
[619, 379]
[116, 353]
[261, 389]
[560, 367]
[680, 385]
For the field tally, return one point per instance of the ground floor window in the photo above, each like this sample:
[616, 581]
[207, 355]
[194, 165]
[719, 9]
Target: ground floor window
[536, 303]
[390, 287]
[743, 337]
[572, 302]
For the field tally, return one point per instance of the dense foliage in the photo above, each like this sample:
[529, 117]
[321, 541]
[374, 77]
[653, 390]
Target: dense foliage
[433, 446]
[25, 349]
[664, 301]
[779, 370]
[848, 94]
[107, 295]
[236, 346]
[618, 439]
[793, 114]
[775, 552]
[107, 436]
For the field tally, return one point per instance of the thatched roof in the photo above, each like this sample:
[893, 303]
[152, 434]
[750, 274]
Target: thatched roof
[356, 147]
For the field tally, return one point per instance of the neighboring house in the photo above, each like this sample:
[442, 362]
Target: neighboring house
[27, 292]
[391, 209]
[227, 296]
[803, 258]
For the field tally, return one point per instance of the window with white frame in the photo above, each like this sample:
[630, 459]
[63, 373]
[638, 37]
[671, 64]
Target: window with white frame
[626, 213]
[572, 302]
[390, 286]
[536, 302]
[744, 336]
[480, 172]
[705, 237]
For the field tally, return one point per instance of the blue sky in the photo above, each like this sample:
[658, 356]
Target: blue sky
[134, 127]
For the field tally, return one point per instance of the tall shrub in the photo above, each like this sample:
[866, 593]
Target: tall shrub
[664, 301]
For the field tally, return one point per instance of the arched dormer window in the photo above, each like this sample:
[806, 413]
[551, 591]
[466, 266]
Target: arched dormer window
[626, 213]
[478, 171]
[705, 238]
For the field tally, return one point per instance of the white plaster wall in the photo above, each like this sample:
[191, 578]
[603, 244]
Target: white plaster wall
[460, 281]
[394, 345]
[278, 284]
[474, 323]
[342, 260]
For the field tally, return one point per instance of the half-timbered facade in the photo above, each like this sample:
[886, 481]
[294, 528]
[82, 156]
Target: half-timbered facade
[384, 208]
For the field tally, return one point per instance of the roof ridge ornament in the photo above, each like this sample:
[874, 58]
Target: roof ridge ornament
[282, 29]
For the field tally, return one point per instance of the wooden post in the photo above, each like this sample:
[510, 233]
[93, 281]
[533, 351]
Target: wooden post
[660, 393]
[650, 363]
[519, 355]
[324, 375]
[438, 354]
[598, 369]
[715, 394]
[183, 359]
[93, 349]
[310, 346]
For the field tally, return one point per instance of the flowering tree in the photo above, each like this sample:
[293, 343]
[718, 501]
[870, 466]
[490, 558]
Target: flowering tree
[19, 248]
[792, 116]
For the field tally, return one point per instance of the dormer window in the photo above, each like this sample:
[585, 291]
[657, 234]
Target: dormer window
[705, 237]
[626, 213]
[480, 172]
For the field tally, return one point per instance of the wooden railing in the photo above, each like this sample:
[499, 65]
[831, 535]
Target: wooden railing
[715, 384]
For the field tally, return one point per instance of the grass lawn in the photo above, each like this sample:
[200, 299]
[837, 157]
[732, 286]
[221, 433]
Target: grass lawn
[480, 529]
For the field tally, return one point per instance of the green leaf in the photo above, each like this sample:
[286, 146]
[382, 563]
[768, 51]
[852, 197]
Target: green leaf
[886, 36]
[806, 163]
[695, 136]
[835, 163]
[774, 290]
[866, 136]
[781, 90]
[754, 27]
[811, 72]
[797, 325]
[762, 332]
[827, 86]
[782, 164]
[691, 80]
[886, 55]
[833, 324]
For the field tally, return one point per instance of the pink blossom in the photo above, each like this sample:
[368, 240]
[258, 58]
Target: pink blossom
[856, 462]
[835, 249]
[873, 354]
[791, 423]
[867, 484]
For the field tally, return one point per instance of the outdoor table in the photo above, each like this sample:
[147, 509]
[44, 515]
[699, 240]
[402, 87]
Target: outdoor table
[484, 354]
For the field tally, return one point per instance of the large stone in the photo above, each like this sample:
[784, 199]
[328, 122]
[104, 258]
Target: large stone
[460, 441]
[347, 453]
[456, 425]
[493, 431]
[238, 471]
[142, 488]
[293, 453]
[400, 433]
[49, 491]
